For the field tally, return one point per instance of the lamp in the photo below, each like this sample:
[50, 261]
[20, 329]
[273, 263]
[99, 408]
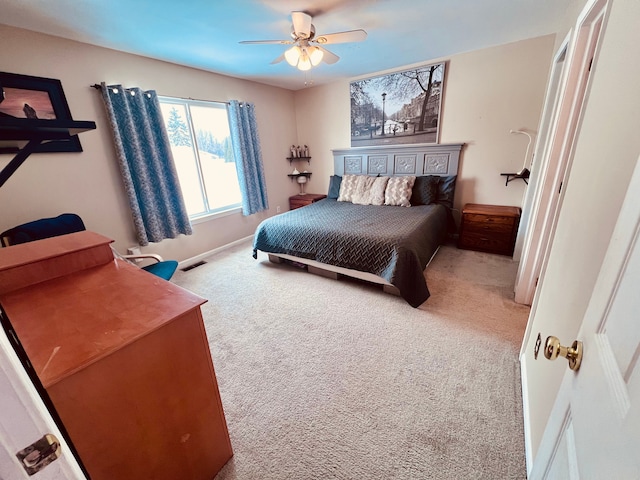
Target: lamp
[524, 171]
[302, 179]
[303, 57]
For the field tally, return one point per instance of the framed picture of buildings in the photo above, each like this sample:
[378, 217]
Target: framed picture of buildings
[397, 108]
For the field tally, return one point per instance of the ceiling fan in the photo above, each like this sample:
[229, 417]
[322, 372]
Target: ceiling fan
[307, 49]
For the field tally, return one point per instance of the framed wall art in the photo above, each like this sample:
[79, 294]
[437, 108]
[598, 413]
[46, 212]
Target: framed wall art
[397, 108]
[24, 96]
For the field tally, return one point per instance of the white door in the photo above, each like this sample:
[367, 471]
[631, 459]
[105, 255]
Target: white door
[594, 427]
[557, 144]
[23, 420]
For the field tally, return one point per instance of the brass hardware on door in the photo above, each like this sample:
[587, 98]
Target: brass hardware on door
[553, 349]
[536, 349]
[39, 454]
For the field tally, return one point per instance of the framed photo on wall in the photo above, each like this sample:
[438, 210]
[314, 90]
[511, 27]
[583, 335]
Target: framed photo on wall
[397, 108]
[24, 96]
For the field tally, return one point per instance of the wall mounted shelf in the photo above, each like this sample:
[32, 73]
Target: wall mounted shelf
[301, 174]
[297, 159]
[22, 136]
[297, 176]
[515, 176]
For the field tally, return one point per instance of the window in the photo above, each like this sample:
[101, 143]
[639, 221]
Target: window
[201, 147]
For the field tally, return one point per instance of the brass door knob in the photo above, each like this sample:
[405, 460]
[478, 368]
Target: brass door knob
[553, 350]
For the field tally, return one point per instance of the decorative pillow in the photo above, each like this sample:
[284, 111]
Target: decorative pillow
[370, 190]
[334, 186]
[446, 190]
[348, 187]
[398, 191]
[425, 190]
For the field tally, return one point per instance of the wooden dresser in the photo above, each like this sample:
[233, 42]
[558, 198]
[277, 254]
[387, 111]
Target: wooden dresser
[122, 356]
[298, 201]
[489, 228]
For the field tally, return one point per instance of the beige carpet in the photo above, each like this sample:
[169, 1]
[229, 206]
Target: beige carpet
[326, 379]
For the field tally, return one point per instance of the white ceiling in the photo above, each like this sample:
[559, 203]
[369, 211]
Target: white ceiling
[205, 33]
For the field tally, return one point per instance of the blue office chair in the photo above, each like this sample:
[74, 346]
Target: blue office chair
[70, 223]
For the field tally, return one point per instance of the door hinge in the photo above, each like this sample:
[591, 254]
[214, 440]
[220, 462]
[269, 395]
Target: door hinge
[39, 454]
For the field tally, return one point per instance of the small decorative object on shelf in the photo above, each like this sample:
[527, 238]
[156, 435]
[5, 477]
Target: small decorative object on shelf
[524, 172]
[299, 153]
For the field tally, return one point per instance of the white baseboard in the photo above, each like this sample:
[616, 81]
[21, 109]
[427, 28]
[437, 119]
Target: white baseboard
[190, 261]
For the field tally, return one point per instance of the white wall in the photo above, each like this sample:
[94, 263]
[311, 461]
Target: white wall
[89, 183]
[606, 151]
[487, 92]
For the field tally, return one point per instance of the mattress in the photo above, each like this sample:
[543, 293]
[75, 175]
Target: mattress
[392, 242]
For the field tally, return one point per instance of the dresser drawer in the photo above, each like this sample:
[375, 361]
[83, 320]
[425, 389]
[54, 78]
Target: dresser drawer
[298, 201]
[489, 220]
[486, 242]
[293, 204]
[489, 224]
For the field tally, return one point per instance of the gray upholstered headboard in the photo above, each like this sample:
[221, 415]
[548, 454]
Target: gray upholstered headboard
[418, 159]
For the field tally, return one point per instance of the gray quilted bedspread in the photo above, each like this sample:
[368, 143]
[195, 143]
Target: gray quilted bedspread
[394, 243]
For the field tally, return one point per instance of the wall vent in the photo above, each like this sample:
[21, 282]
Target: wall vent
[191, 267]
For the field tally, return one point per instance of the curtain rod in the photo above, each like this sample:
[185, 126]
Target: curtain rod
[98, 87]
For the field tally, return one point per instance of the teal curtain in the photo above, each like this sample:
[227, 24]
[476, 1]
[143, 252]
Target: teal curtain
[146, 164]
[246, 148]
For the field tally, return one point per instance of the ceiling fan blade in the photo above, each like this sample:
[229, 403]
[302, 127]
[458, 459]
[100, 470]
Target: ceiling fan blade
[278, 60]
[267, 42]
[301, 24]
[329, 57]
[341, 37]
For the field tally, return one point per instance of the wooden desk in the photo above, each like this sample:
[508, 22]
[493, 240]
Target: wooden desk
[122, 355]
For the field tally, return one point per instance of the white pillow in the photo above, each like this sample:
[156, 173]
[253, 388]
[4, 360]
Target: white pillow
[370, 190]
[398, 191]
[348, 187]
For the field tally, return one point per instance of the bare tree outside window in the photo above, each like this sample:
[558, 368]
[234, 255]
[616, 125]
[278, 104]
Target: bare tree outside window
[399, 108]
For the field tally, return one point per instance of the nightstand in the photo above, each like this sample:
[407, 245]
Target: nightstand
[298, 201]
[489, 228]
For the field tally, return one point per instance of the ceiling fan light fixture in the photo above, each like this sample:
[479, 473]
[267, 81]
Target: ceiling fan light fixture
[305, 63]
[292, 56]
[302, 54]
[316, 56]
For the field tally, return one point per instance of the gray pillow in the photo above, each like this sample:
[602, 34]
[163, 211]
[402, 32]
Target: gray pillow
[425, 190]
[446, 190]
[334, 186]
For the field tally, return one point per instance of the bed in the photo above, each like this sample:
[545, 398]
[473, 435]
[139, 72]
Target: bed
[386, 244]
